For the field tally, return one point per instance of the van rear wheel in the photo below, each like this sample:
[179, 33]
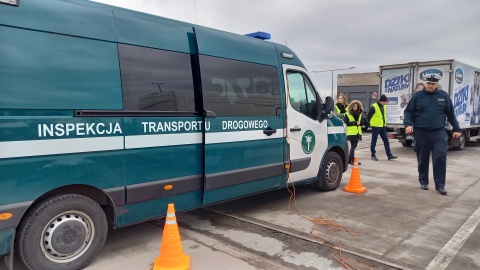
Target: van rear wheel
[331, 172]
[62, 232]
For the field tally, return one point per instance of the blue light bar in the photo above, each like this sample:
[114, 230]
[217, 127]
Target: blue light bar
[259, 35]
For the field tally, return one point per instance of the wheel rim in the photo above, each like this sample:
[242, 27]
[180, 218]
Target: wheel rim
[332, 172]
[67, 236]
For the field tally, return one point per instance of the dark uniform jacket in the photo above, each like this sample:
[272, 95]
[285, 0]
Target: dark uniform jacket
[427, 111]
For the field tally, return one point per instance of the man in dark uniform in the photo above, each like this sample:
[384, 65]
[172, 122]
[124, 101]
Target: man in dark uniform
[425, 114]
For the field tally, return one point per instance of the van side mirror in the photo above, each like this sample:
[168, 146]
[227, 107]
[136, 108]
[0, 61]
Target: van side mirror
[329, 106]
[324, 110]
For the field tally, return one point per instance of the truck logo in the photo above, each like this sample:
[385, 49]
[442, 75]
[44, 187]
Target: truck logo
[429, 72]
[308, 142]
[459, 75]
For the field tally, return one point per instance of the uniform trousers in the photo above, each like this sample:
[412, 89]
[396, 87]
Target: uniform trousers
[434, 142]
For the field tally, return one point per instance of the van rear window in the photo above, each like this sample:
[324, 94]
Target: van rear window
[156, 80]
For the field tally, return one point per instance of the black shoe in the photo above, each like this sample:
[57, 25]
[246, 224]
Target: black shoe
[392, 157]
[424, 187]
[351, 163]
[442, 191]
[374, 158]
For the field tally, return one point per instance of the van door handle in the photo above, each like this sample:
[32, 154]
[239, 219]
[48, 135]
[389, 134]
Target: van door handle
[296, 128]
[269, 131]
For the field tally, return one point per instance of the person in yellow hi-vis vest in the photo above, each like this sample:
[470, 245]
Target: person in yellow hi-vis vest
[353, 120]
[341, 105]
[377, 117]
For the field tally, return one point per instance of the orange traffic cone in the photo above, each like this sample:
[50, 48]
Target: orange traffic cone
[355, 184]
[171, 252]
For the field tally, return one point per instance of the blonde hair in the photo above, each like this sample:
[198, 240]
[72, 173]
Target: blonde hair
[345, 101]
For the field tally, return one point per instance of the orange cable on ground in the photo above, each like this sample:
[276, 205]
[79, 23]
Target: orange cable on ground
[330, 225]
[353, 265]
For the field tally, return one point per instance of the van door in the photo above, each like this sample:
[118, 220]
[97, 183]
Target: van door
[307, 136]
[244, 128]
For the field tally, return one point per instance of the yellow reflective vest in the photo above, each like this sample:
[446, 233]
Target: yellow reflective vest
[379, 119]
[337, 110]
[354, 130]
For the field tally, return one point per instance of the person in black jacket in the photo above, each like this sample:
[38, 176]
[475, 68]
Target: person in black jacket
[425, 115]
[353, 119]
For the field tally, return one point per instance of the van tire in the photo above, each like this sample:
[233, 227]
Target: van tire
[64, 231]
[331, 171]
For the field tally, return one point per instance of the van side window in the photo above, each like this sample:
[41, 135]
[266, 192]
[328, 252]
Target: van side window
[156, 80]
[235, 88]
[302, 95]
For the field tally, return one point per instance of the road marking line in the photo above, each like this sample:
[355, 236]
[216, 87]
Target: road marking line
[448, 252]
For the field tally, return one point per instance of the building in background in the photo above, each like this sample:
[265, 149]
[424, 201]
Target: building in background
[360, 86]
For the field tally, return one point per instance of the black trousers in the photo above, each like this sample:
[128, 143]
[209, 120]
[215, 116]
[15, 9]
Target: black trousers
[435, 142]
[353, 145]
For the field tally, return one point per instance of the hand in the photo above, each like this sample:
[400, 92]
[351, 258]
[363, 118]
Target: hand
[358, 123]
[409, 130]
[456, 135]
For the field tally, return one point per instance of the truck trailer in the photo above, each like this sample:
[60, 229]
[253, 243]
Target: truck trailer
[461, 81]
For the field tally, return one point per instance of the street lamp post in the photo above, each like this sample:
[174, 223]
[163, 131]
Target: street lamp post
[331, 70]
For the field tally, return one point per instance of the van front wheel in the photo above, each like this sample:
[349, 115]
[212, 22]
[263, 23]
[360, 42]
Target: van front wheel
[331, 171]
[62, 232]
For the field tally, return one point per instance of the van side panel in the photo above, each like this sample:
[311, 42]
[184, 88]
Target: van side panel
[161, 152]
[74, 17]
[39, 155]
[151, 31]
[47, 71]
[140, 212]
[227, 45]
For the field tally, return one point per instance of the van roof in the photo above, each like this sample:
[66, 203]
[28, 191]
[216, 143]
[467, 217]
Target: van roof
[100, 21]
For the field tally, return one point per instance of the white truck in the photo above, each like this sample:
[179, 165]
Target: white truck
[461, 81]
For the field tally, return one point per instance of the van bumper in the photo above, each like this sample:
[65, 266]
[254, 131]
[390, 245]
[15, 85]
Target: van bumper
[6, 240]
[8, 226]
[17, 210]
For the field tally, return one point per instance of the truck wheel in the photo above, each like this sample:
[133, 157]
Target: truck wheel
[463, 141]
[331, 172]
[407, 144]
[62, 232]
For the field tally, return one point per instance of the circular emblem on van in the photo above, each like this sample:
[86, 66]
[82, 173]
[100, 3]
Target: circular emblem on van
[429, 72]
[308, 142]
[459, 75]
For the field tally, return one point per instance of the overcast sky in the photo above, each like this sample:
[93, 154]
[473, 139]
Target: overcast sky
[335, 34]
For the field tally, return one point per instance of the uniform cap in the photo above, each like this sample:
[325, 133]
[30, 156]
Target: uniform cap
[434, 78]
